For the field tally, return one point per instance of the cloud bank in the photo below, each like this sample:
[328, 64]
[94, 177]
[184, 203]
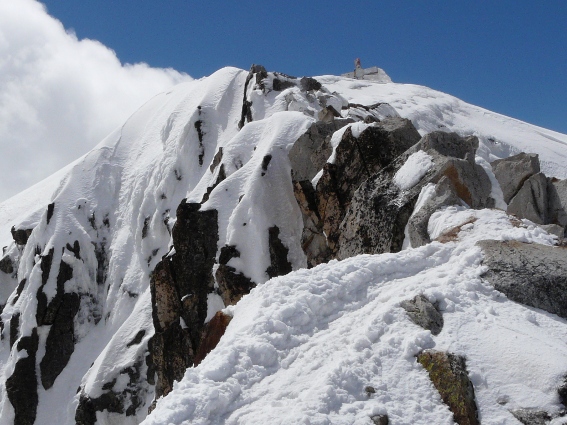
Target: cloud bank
[59, 96]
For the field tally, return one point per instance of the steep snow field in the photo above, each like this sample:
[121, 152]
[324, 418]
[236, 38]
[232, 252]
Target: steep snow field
[300, 348]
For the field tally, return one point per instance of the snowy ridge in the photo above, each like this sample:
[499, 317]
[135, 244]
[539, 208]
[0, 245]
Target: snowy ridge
[303, 348]
[78, 319]
[430, 110]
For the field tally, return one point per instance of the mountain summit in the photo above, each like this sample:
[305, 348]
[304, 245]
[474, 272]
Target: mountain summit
[253, 247]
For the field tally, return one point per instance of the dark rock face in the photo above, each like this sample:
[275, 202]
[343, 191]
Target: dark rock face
[60, 343]
[21, 236]
[308, 84]
[258, 73]
[179, 288]
[379, 211]
[531, 274]
[356, 159]
[6, 265]
[172, 353]
[232, 284]
[310, 152]
[512, 172]
[278, 254]
[531, 200]
[21, 387]
[126, 402]
[449, 375]
[50, 210]
[380, 420]
[423, 313]
[212, 334]
[14, 328]
[531, 417]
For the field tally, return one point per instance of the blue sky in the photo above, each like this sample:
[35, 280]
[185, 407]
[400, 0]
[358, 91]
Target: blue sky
[506, 56]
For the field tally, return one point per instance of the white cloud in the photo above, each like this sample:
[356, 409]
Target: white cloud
[59, 96]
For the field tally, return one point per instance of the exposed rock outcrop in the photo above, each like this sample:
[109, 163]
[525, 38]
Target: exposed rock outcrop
[424, 313]
[7, 265]
[355, 160]
[531, 417]
[513, 171]
[557, 198]
[279, 264]
[21, 386]
[380, 420]
[531, 274]
[448, 372]
[380, 209]
[445, 194]
[310, 152]
[531, 200]
[213, 332]
[179, 287]
[21, 236]
[233, 285]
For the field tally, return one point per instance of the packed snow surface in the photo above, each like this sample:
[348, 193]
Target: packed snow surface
[302, 348]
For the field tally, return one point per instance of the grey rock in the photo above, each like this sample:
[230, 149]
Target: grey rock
[450, 144]
[554, 229]
[531, 417]
[531, 274]
[313, 240]
[531, 201]
[448, 373]
[512, 172]
[328, 114]
[310, 152]
[356, 159]
[309, 84]
[557, 198]
[380, 420]
[379, 211]
[424, 313]
[562, 391]
[445, 194]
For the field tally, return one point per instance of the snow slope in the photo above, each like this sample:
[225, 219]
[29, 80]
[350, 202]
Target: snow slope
[430, 110]
[300, 348]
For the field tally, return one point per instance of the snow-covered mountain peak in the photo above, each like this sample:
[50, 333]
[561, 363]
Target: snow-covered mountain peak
[230, 199]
